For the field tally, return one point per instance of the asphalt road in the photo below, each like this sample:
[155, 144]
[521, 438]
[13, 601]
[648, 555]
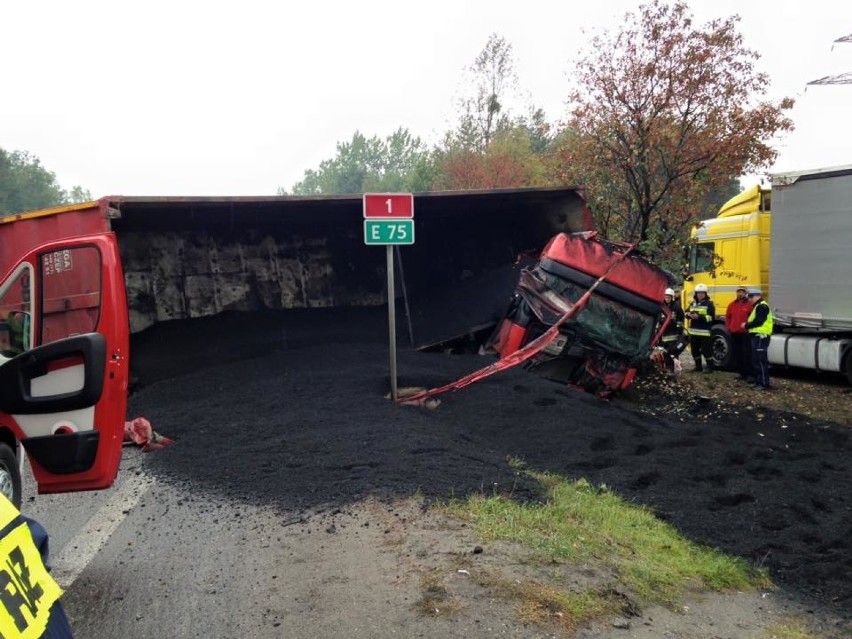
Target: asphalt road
[148, 558]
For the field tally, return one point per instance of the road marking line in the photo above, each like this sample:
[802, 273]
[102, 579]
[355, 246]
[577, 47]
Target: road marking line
[67, 565]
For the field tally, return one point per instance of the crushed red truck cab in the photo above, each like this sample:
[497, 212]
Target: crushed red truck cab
[604, 301]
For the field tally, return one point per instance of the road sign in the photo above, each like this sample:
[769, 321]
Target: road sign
[386, 232]
[389, 220]
[388, 205]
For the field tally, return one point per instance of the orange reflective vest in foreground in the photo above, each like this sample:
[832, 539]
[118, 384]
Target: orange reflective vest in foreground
[27, 591]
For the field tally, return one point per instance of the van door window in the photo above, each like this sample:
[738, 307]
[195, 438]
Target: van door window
[71, 292]
[702, 257]
[16, 302]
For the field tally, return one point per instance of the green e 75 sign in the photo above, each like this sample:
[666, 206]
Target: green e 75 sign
[379, 232]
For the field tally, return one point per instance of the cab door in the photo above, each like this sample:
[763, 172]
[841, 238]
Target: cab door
[66, 323]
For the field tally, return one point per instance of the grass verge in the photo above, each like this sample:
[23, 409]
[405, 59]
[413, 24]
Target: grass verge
[640, 559]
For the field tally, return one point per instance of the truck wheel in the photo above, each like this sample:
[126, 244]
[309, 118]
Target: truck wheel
[723, 352]
[10, 475]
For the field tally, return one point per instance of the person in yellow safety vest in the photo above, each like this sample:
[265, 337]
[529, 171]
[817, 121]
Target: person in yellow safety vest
[674, 331]
[701, 313]
[29, 597]
[759, 327]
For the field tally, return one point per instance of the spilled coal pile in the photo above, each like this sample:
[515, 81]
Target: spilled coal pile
[289, 409]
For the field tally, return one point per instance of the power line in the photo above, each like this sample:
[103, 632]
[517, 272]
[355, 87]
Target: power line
[843, 78]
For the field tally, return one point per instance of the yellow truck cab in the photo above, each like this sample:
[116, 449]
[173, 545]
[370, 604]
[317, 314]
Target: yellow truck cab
[727, 252]
[804, 271]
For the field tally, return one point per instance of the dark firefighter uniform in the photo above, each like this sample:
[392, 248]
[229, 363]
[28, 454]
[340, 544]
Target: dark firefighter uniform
[673, 337]
[759, 326]
[701, 313]
[29, 597]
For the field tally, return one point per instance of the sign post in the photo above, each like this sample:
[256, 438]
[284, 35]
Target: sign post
[389, 221]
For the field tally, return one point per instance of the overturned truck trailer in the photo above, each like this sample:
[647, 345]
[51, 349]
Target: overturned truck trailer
[192, 257]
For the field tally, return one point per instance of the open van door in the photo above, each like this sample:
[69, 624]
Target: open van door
[63, 364]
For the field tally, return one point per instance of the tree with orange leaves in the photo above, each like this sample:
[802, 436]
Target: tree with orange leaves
[665, 114]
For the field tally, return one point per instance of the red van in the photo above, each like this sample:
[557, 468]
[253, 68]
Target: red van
[63, 362]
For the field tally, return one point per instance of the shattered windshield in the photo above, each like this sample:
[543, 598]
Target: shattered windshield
[611, 325]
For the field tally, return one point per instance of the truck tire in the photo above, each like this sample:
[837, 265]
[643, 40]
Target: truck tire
[848, 366]
[10, 475]
[723, 352]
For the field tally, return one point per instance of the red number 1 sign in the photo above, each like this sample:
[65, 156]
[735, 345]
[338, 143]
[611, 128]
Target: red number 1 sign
[388, 205]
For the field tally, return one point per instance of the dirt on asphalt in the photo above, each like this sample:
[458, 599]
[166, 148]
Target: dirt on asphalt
[288, 410]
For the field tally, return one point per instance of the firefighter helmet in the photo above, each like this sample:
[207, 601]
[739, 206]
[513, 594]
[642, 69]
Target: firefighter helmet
[669, 292]
[701, 288]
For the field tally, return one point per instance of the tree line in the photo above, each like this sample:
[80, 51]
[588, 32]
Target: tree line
[25, 185]
[663, 117]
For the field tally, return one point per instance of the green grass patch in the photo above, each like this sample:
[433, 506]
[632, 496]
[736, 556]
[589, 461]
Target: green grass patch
[591, 526]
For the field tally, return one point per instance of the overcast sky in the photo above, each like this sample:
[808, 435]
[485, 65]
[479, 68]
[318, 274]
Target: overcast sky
[185, 97]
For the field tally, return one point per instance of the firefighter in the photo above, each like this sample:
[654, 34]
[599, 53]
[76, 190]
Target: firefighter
[673, 338]
[735, 316]
[759, 327]
[701, 313]
[29, 597]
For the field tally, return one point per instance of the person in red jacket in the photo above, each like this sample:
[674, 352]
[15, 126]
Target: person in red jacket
[735, 316]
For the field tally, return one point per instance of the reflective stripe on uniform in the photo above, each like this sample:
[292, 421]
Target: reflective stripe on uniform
[700, 332]
[699, 327]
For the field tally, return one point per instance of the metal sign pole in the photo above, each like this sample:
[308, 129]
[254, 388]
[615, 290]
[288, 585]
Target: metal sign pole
[392, 321]
[389, 220]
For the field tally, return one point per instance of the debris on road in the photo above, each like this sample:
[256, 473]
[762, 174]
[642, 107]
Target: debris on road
[139, 431]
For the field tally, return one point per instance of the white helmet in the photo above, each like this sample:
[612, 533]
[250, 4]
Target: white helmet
[669, 292]
[700, 288]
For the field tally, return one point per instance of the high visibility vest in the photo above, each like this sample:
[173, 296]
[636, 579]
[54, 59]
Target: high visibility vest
[766, 327]
[27, 591]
